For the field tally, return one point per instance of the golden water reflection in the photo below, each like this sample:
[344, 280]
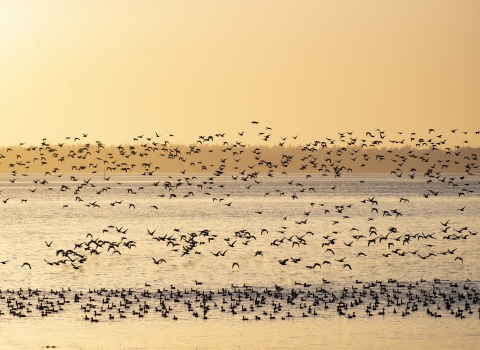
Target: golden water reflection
[391, 332]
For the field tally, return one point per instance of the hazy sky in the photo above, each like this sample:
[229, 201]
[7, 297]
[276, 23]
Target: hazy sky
[117, 69]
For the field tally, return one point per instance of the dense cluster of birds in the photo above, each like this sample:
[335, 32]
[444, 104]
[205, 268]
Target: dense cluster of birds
[248, 303]
[205, 168]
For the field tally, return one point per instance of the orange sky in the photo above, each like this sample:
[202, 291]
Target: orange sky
[117, 69]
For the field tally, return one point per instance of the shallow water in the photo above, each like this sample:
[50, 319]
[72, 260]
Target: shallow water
[424, 252]
[336, 333]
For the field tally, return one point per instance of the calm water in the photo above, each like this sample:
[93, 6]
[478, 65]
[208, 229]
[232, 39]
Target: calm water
[329, 221]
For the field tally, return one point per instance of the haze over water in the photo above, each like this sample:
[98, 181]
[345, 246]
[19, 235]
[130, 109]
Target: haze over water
[218, 174]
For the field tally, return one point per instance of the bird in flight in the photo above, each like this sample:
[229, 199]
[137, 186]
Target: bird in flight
[159, 261]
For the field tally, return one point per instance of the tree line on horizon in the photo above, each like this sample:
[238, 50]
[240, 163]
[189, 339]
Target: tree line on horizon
[326, 158]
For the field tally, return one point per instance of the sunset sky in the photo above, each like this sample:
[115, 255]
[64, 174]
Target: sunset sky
[117, 69]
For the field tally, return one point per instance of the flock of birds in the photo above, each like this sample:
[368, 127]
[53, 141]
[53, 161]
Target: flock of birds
[205, 170]
[435, 299]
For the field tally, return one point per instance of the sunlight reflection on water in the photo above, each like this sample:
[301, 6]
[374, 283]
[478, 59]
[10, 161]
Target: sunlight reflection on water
[26, 227]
